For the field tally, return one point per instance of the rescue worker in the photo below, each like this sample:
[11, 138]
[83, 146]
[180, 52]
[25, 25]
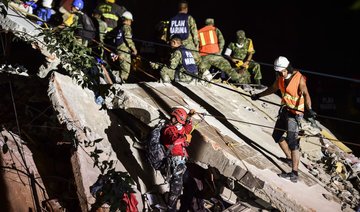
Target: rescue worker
[295, 97]
[176, 137]
[45, 12]
[184, 25]
[111, 13]
[181, 60]
[84, 27]
[101, 29]
[211, 45]
[125, 47]
[240, 55]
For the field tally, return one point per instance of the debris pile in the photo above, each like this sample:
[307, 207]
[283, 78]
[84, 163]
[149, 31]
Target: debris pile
[339, 171]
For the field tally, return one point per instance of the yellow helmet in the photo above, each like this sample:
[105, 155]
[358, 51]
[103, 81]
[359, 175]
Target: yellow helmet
[110, 1]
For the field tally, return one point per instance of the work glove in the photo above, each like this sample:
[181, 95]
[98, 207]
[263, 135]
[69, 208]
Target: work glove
[239, 63]
[312, 114]
[154, 65]
[188, 138]
[191, 112]
[255, 97]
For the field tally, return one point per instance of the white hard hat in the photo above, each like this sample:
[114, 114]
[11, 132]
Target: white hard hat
[127, 15]
[47, 3]
[281, 63]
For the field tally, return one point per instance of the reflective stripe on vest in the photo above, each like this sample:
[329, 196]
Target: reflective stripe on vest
[290, 94]
[208, 41]
[111, 16]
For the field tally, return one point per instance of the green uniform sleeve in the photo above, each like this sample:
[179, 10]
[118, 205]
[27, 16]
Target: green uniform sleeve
[221, 39]
[128, 37]
[175, 59]
[193, 31]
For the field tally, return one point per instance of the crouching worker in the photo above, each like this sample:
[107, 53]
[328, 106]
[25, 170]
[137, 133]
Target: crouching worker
[176, 137]
[181, 61]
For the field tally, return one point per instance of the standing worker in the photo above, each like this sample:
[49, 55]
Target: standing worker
[295, 97]
[125, 47]
[111, 13]
[211, 45]
[185, 27]
[240, 55]
[84, 26]
[176, 137]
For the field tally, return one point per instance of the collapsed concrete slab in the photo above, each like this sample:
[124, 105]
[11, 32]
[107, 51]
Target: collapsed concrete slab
[22, 188]
[233, 137]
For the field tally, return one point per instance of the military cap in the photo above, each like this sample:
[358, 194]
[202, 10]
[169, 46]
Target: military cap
[209, 21]
[240, 34]
[175, 37]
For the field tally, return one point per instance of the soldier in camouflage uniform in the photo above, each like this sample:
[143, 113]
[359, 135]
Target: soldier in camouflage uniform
[211, 45]
[184, 25]
[181, 60]
[125, 47]
[240, 55]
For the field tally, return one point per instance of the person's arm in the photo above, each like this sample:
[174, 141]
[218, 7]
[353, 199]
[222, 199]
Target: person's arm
[228, 52]
[221, 40]
[194, 31]
[272, 89]
[250, 54]
[128, 39]
[305, 92]
[175, 59]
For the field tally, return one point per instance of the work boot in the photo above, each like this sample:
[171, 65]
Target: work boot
[290, 176]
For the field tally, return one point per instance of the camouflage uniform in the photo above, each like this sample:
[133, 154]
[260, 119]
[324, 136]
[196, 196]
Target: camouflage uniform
[240, 52]
[192, 42]
[221, 63]
[218, 61]
[124, 53]
[167, 73]
[221, 40]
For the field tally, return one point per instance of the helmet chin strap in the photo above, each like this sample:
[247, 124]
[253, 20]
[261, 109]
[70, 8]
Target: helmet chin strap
[288, 75]
[178, 126]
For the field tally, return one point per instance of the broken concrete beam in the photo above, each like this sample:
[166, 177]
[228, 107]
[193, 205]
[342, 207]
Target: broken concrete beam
[238, 150]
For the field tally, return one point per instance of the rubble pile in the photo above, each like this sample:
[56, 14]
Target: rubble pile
[339, 172]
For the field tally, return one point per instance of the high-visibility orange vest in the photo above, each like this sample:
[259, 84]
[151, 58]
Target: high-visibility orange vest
[290, 95]
[208, 40]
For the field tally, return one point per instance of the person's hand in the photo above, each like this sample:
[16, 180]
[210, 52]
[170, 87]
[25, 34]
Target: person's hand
[255, 97]
[154, 65]
[312, 114]
[188, 138]
[191, 112]
[134, 52]
[114, 57]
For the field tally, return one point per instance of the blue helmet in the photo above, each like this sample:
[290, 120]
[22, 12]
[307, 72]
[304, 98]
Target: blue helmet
[79, 4]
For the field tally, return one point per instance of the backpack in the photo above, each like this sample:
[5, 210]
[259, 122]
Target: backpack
[86, 28]
[155, 150]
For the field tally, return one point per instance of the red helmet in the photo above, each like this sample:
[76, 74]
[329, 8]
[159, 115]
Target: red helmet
[180, 115]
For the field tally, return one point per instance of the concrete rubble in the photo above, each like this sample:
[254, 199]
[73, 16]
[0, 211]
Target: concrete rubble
[21, 180]
[232, 135]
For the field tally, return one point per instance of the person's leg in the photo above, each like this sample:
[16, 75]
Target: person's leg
[125, 64]
[167, 74]
[279, 130]
[256, 72]
[176, 182]
[285, 148]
